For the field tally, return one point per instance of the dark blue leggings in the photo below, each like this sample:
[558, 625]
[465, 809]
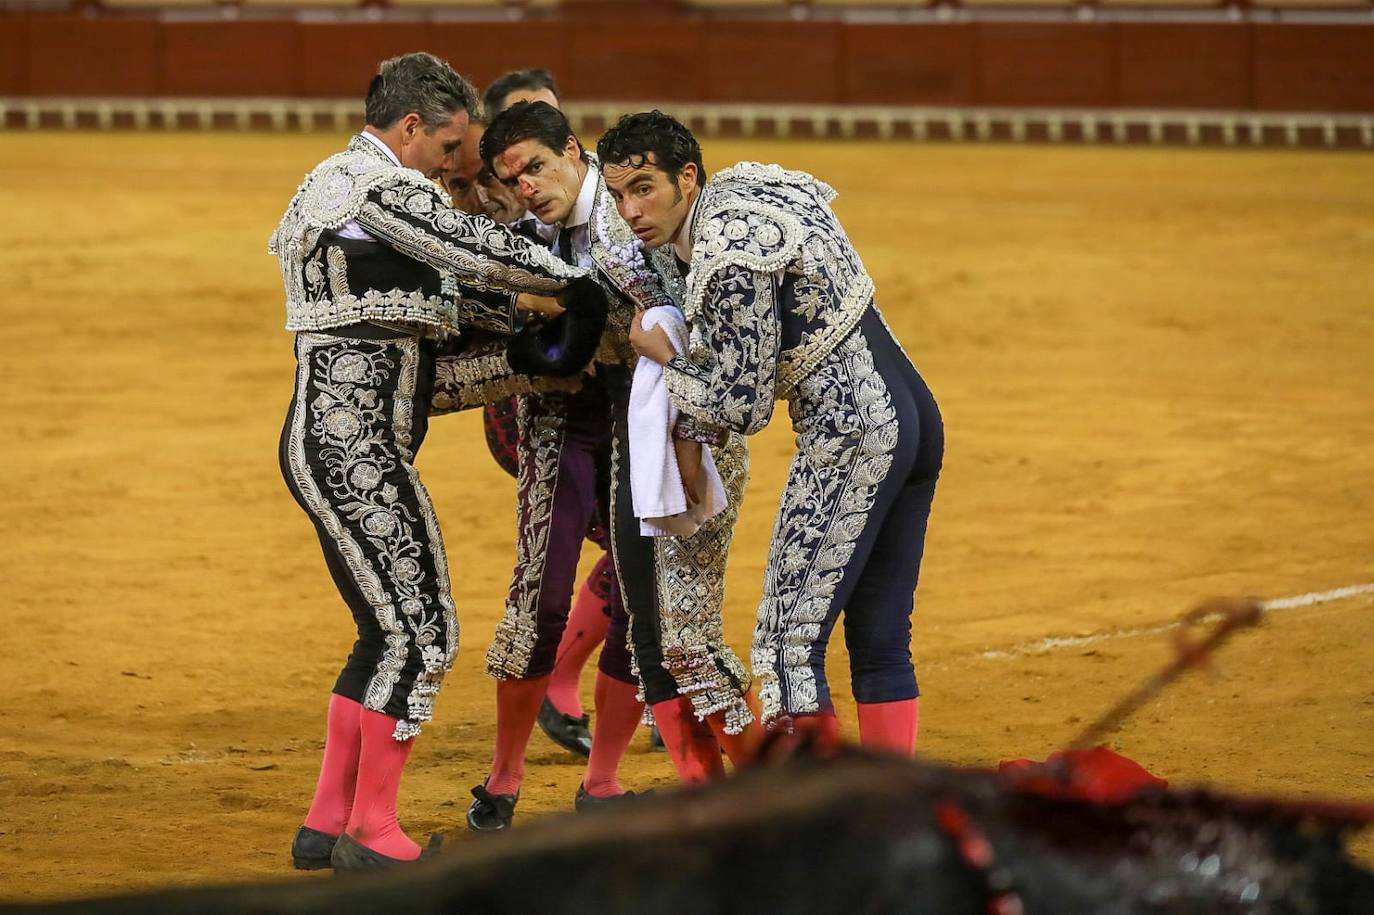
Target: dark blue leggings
[851, 527]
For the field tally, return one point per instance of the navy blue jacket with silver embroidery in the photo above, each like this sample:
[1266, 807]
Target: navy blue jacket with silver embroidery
[430, 266]
[775, 286]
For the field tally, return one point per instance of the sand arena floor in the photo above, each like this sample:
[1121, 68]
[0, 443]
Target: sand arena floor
[1156, 370]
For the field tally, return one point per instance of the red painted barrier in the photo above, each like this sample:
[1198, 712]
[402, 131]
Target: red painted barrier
[1175, 65]
[1300, 66]
[909, 65]
[1130, 64]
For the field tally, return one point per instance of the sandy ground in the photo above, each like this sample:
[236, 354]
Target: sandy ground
[1156, 370]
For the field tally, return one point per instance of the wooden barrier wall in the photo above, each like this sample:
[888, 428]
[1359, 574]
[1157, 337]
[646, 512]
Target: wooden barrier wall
[1135, 64]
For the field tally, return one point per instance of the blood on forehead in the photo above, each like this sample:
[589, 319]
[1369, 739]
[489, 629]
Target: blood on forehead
[511, 163]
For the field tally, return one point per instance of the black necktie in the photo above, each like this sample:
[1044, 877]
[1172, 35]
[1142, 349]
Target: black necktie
[564, 245]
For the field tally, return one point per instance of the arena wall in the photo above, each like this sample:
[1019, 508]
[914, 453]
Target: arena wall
[1156, 75]
[1248, 66]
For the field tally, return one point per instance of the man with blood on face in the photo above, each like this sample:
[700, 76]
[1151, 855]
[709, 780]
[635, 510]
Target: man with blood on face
[559, 451]
[673, 587]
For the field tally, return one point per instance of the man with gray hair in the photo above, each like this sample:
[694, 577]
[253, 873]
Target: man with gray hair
[378, 268]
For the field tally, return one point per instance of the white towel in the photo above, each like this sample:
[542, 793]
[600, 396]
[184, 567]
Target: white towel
[655, 483]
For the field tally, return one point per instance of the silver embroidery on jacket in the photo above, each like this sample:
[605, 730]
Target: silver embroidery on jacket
[413, 215]
[765, 242]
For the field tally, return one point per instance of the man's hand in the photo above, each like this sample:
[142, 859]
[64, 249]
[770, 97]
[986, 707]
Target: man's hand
[652, 343]
[538, 304]
[689, 468]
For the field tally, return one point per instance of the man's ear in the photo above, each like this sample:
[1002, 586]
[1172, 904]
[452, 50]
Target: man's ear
[572, 149]
[688, 176]
[411, 123]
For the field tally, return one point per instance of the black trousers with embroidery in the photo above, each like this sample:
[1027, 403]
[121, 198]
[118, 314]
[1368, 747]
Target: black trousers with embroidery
[850, 532]
[358, 416]
[635, 559]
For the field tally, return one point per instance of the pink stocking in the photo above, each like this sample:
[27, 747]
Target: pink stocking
[890, 725]
[586, 629]
[690, 744]
[517, 707]
[380, 764]
[339, 771]
[618, 711]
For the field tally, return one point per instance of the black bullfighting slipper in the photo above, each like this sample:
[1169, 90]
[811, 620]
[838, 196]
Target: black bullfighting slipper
[351, 855]
[310, 849]
[569, 732]
[491, 812]
[589, 803]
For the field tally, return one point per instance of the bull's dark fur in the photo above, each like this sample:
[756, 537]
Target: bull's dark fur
[850, 835]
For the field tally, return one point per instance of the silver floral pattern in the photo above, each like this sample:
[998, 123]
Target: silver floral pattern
[846, 435]
[691, 592]
[773, 300]
[350, 461]
[540, 444]
[767, 252]
[468, 267]
[481, 374]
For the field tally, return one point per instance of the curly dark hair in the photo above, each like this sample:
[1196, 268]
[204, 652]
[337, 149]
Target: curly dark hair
[635, 137]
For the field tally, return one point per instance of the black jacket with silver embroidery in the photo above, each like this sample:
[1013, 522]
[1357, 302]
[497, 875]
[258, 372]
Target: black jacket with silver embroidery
[477, 371]
[430, 265]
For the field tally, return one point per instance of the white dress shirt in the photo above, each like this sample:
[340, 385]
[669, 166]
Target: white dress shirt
[578, 220]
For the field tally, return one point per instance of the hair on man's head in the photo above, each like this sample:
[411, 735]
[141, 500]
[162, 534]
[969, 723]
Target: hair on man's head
[421, 83]
[636, 137]
[522, 121]
[494, 99]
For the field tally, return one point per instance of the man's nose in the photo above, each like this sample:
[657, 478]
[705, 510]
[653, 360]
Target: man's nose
[526, 189]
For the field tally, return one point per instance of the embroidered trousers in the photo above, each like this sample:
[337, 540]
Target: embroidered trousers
[357, 419]
[851, 527]
[563, 483]
[674, 589]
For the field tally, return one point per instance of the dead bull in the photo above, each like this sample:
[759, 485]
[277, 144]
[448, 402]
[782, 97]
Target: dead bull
[854, 834]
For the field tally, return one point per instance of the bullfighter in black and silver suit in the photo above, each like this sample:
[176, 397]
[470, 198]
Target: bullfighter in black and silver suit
[378, 268]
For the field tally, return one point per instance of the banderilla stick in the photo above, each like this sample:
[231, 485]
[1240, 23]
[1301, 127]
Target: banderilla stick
[1234, 613]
